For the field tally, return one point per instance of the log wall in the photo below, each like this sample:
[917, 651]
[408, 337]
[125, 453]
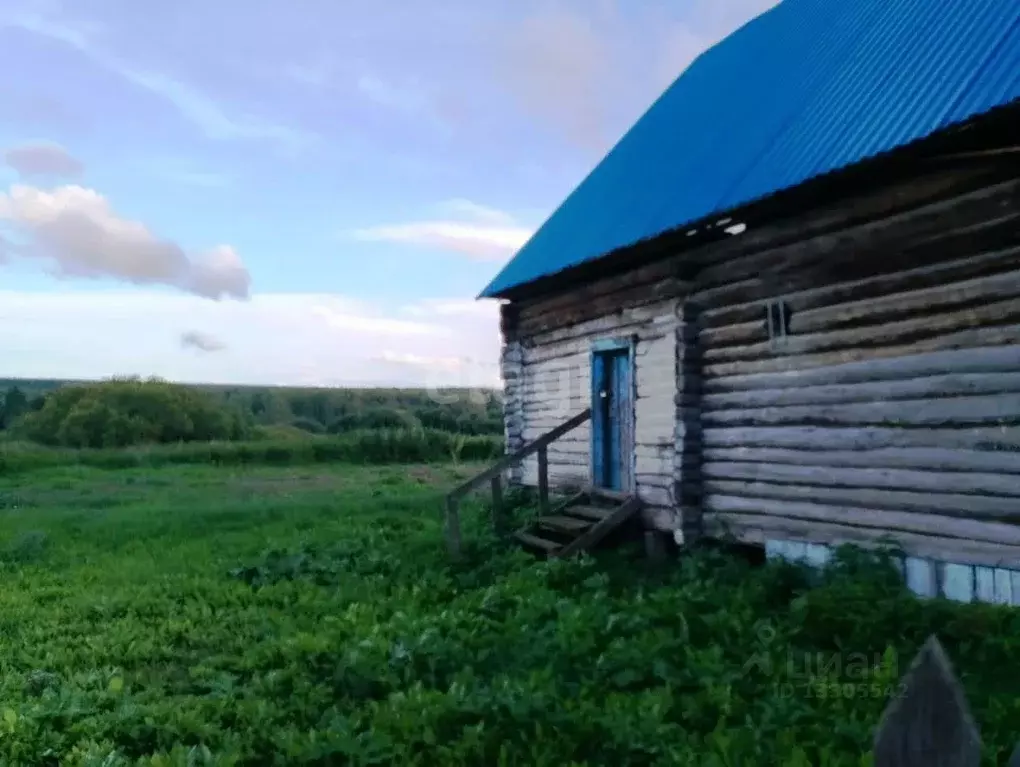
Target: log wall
[891, 405]
[553, 380]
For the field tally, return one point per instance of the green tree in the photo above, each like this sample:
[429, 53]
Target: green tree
[14, 405]
[124, 412]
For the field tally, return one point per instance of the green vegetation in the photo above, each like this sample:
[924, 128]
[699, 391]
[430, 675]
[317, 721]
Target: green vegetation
[119, 413]
[270, 616]
[315, 411]
[379, 446]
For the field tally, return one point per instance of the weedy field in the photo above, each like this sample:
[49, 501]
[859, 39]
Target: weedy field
[191, 615]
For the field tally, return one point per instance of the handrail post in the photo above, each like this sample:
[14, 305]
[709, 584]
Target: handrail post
[494, 475]
[452, 526]
[498, 519]
[543, 480]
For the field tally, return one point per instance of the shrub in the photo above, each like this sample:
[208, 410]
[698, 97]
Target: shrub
[123, 412]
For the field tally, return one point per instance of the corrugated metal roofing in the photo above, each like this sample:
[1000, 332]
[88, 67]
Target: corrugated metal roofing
[808, 87]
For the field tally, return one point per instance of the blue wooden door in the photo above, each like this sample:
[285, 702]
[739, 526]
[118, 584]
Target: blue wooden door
[611, 418]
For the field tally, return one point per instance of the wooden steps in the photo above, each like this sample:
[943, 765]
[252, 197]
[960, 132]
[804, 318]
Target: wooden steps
[579, 524]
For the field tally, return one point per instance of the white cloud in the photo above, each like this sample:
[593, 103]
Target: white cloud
[203, 342]
[482, 233]
[78, 233]
[446, 364]
[472, 210]
[43, 159]
[288, 339]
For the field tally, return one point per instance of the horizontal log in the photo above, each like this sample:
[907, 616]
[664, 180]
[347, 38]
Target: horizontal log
[990, 359]
[961, 483]
[965, 384]
[886, 233]
[924, 458]
[638, 296]
[975, 337]
[902, 331]
[656, 450]
[663, 479]
[880, 202]
[893, 306]
[661, 312]
[904, 304]
[663, 517]
[655, 496]
[758, 528]
[983, 248]
[956, 411]
[561, 355]
[554, 406]
[512, 459]
[906, 521]
[989, 438]
[978, 506]
[539, 377]
[642, 276]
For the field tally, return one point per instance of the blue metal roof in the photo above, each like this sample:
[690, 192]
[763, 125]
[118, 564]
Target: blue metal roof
[808, 87]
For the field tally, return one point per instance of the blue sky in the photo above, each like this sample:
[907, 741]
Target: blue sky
[309, 192]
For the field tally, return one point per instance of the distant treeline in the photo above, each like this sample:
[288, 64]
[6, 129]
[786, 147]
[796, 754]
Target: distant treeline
[130, 411]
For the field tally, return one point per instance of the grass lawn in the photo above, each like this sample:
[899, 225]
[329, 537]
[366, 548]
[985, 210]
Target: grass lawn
[195, 615]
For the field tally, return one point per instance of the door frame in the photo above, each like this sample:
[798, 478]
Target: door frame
[612, 345]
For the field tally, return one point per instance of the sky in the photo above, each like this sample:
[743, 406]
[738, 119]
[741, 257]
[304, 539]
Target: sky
[301, 193]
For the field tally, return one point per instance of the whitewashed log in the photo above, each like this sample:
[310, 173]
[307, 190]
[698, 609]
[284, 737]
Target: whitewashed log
[657, 473]
[611, 324]
[876, 519]
[655, 496]
[923, 458]
[979, 507]
[993, 313]
[567, 452]
[655, 451]
[653, 431]
[663, 518]
[555, 408]
[546, 423]
[978, 483]
[988, 359]
[538, 382]
[540, 376]
[955, 411]
[663, 479]
[759, 528]
[984, 336]
[663, 390]
[572, 441]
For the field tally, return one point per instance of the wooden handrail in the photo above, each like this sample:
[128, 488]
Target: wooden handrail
[511, 459]
[493, 475]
